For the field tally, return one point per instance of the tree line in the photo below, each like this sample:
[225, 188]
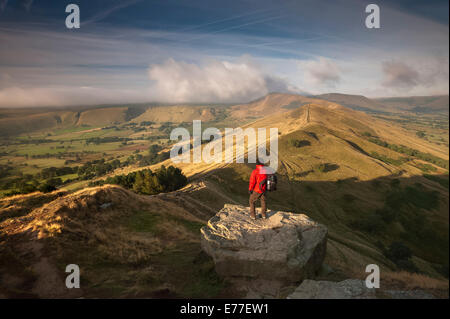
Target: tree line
[147, 182]
[49, 179]
[412, 152]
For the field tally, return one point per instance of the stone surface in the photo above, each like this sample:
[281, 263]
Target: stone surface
[286, 247]
[408, 294]
[351, 289]
[347, 289]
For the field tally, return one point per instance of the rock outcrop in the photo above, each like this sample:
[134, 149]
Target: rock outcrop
[286, 247]
[351, 289]
[347, 289]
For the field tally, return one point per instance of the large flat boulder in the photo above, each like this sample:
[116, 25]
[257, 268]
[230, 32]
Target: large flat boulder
[286, 247]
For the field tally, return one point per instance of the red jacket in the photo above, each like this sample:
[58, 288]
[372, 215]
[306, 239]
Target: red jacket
[258, 180]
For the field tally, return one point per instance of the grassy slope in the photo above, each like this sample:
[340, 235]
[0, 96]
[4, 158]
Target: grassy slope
[355, 101]
[176, 114]
[28, 121]
[102, 116]
[438, 103]
[23, 123]
[138, 246]
[352, 187]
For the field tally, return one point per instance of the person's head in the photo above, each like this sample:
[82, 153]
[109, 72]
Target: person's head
[258, 162]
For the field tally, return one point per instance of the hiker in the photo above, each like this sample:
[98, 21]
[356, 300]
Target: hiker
[257, 189]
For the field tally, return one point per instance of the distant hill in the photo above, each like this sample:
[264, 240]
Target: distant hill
[15, 122]
[177, 114]
[26, 120]
[356, 102]
[271, 104]
[420, 104]
[102, 116]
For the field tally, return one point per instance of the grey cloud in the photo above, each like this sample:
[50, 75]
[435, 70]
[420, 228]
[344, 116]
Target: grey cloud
[321, 71]
[280, 85]
[435, 71]
[399, 75]
[426, 73]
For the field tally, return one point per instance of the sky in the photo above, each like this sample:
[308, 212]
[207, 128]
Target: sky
[208, 51]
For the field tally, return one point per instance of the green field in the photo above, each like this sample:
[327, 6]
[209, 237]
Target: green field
[24, 157]
[431, 127]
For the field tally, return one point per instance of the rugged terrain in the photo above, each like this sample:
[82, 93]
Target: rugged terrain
[376, 185]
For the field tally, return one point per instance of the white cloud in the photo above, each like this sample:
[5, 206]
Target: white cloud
[321, 71]
[215, 81]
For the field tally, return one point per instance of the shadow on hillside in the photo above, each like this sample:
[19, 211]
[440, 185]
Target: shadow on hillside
[412, 211]
[357, 148]
[327, 167]
[304, 174]
[313, 135]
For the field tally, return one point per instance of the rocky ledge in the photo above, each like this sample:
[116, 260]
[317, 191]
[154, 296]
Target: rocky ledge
[351, 289]
[285, 247]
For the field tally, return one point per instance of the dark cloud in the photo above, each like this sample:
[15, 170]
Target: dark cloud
[280, 85]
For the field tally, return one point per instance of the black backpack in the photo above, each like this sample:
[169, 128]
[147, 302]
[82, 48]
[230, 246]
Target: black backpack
[271, 182]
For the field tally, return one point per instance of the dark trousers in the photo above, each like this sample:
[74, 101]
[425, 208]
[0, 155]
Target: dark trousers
[253, 198]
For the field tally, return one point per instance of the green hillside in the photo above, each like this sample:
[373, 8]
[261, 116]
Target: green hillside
[379, 187]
